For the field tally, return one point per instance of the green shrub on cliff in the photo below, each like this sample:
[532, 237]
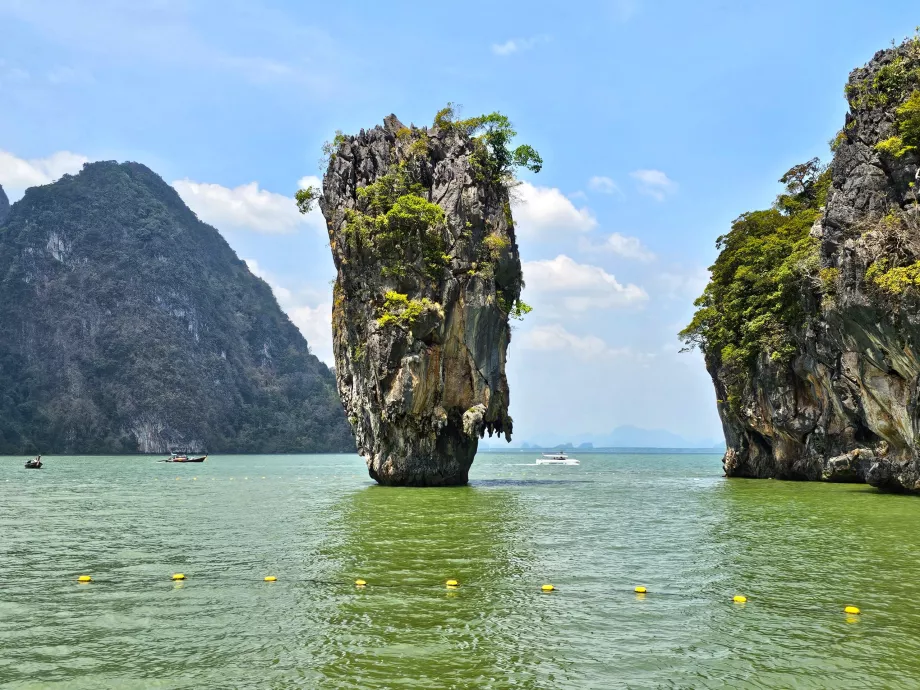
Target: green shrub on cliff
[892, 82]
[493, 158]
[398, 309]
[305, 198]
[399, 223]
[516, 310]
[753, 303]
[908, 127]
[895, 280]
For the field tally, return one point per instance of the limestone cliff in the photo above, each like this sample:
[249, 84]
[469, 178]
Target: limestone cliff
[830, 389]
[4, 205]
[421, 233]
[128, 325]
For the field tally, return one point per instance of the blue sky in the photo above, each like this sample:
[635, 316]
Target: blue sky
[658, 122]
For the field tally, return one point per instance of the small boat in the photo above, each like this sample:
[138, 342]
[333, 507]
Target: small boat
[34, 464]
[183, 457]
[559, 458]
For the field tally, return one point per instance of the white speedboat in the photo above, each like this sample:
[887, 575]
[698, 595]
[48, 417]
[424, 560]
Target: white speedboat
[559, 458]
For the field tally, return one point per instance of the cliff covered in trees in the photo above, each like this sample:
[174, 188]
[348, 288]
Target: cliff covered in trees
[422, 236]
[810, 325]
[128, 325]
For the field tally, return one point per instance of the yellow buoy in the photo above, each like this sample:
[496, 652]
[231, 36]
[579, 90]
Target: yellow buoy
[452, 583]
[84, 578]
[641, 590]
[178, 576]
[738, 599]
[851, 609]
[271, 578]
[360, 583]
[547, 588]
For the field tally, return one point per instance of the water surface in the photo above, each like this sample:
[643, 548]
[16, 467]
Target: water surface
[799, 552]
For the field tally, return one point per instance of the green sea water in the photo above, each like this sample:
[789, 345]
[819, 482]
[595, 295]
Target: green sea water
[799, 552]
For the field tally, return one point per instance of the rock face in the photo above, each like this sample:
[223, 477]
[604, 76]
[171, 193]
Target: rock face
[128, 325]
[4, 205]
[428, 270]
[846, 407]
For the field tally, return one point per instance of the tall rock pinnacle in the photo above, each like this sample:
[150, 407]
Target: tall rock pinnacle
[421, 233]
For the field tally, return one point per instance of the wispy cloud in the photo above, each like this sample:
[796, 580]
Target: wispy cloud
[181, 35]
[621, 245]
[10, 73]
[654, 183]
[624, 10]
[69, 76]
[248, 207]
[518, 45]
[604, 185]
[683, 283]
[555, 338]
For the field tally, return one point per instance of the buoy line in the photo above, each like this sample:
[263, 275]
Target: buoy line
[641, 592]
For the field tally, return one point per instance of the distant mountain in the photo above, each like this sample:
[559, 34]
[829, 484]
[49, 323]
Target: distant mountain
[637, 437]
[627, 436]
[126, 325]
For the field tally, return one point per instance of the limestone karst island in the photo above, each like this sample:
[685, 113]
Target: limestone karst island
[494, 346]
[428, 276]
[809, 322]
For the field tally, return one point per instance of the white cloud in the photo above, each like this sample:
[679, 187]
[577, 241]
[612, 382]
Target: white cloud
[17, 174]
[546, 210]
[555, 338]
[580, 286]
[654, 183]
[248, 207]
[604, 185]
[622, 245]
[517, 45]
[307, 310]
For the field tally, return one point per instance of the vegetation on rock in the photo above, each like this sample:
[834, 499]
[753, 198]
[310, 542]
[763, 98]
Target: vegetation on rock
[752, 304]
[808, 324]
[892, 83]
[399, 223]
[399, 309]
[493, 158]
